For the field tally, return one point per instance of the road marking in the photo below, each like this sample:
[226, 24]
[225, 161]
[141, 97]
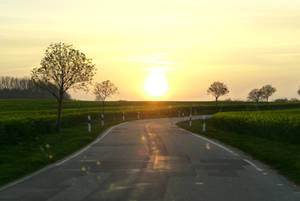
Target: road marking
[86, 148]
[60, 162]
[212, 142]
[252, 164]
[226, 149]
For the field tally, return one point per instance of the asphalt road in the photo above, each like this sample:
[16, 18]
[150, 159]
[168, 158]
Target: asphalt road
[153, 160]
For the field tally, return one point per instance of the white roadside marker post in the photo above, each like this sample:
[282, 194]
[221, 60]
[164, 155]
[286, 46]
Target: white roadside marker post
[190, 120]
[204, 124]
[89, 124]
[123, 116]
[102, 120]
[138, 115]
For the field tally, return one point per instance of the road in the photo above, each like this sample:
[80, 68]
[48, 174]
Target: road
[153, 160]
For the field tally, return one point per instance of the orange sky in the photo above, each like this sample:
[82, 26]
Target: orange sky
[245, 44]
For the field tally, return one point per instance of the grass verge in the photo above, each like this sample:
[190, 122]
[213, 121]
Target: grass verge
[282, 156]
[22, 159]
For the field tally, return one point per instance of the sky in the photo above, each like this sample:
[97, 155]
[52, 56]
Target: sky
[245, 44]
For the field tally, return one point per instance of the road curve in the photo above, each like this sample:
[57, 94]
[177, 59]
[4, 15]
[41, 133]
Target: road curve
[153, 160]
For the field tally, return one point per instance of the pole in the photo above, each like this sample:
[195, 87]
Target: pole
[123, 116]
[138, 115]
[190, 120]
[102, 120]
[204, 124]
[89, 124]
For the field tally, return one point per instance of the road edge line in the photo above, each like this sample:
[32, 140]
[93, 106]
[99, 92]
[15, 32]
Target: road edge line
[61, 161]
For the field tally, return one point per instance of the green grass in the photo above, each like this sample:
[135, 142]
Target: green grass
[24, 158]
[27, 127]
[277, 125]
[279, 152]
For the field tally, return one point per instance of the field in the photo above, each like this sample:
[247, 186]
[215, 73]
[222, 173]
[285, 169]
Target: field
[271, 136]
[280, 125]
[28, 140]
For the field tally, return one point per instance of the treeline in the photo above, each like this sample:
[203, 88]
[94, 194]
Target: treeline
[13, 87]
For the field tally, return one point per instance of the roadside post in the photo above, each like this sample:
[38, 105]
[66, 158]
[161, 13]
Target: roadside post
[123, 116]
[190, 118]
[203, 124]
[89, 124]
[138, 115]
[102, 120]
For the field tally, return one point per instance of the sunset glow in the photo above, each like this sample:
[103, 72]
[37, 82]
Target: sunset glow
[245, 44]
[156, 84]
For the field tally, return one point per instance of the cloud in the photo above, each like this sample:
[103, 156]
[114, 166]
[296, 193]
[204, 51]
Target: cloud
[152, 59]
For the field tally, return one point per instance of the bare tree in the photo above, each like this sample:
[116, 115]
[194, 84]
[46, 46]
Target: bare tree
[298, 92]
[267, 91]
[255, 95]
[62, 68]
[218, 89]
[104, 90]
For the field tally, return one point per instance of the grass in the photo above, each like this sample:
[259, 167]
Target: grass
[282, 155]
[28, 140]
[22, 159]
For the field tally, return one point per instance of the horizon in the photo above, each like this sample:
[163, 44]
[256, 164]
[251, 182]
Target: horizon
[192, 44]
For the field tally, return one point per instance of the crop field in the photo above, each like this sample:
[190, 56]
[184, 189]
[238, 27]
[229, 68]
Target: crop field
[26, 119]
[272, 136]
[278, 125]
[28, 140]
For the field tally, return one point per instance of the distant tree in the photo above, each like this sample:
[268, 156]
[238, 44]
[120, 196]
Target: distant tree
[281, 100]
[62, 68]
[15, 87]
[255, 95]
[294, 100]
[104, 90]
[298, 92]
[267, 91]
[218, 89]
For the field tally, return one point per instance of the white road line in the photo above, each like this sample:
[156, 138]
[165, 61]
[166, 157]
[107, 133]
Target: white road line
[85, 148]
[252, 164]
[60, 162]
[232, 152]
[221, 146]
[226, 149]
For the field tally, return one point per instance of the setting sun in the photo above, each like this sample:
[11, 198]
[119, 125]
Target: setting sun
[156, 84]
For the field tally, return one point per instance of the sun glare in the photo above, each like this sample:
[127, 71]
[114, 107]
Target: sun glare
[156, 84]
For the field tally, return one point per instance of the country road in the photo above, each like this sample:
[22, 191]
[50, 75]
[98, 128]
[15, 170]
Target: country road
[153, 160]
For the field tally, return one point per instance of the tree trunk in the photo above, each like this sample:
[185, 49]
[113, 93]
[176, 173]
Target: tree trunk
[58, 122]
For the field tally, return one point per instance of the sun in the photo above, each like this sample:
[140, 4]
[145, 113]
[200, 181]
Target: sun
[156, 84]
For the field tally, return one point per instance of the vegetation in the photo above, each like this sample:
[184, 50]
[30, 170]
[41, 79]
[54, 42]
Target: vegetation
[263, 93]
[27, 126]
[270, 136]
[280, 125]
[217, 89]
[62, 68]
[46, 148]
[13, 87]
[104, 90]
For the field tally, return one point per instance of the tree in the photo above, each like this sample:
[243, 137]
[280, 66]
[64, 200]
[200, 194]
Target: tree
[267, 91]
[62, 68]
[217, 89]
[104, 90]
[298, 92]
[255, 95]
